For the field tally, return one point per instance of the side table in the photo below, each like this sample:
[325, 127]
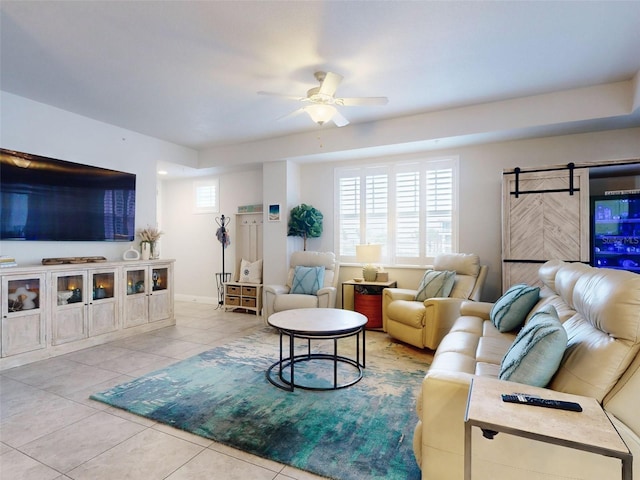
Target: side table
[589, 430]
[367, 299]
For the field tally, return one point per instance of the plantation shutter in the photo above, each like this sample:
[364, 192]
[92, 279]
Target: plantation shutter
[349, 214]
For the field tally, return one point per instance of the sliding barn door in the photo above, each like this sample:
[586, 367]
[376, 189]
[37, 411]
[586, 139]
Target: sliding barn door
[545, 216]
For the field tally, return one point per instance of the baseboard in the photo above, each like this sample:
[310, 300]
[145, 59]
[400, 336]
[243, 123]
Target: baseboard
[195, 299]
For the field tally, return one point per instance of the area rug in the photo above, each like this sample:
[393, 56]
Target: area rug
[361, 432]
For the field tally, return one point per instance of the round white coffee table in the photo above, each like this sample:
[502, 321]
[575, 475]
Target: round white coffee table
[317, 324]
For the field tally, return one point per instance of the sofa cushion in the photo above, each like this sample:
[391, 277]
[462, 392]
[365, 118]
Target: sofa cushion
[307, 280]
[291, 301]
[536, 353]
[435, 284]
[250, 272]
[407, 312]
[510, 311]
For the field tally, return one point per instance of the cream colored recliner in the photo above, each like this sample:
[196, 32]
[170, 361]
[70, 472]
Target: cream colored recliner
[424, 324]
[277, 297]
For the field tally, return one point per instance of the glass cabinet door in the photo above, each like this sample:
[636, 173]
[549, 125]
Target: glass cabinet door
[136, 282]
[159, 279]
[70, 289]
[103, 284]
[23, 328]
[23, 294]
[69, 313]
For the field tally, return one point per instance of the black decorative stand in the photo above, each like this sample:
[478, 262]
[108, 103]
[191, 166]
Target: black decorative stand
[223, 237]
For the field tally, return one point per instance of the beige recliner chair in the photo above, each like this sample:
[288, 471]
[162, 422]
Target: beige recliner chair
[278, 298]
[424, 324]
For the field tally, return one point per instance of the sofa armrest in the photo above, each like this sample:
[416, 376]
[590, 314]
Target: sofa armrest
[476, 309]
[399, 294]
[327, 297]
[439, 437]
[440, 315]
[269, 297]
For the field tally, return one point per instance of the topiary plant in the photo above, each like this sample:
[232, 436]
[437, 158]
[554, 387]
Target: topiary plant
[306, 222]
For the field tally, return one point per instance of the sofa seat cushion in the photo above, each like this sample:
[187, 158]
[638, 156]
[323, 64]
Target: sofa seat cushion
[464, 343]
[468, 324]
[453, 362]
[487, 369]
[408, 312]
[492, 349]
[294, 300]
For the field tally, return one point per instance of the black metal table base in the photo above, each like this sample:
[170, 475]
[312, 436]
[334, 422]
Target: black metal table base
[279, 379]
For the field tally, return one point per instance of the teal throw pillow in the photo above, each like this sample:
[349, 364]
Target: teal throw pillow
[536, 353]
[435, 283]
[511, 309]
[307, 280]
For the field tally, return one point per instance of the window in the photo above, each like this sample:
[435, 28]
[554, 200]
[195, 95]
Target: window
[408, 207]
[207, 196]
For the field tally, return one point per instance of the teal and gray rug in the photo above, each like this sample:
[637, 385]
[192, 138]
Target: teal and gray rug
[361, 432]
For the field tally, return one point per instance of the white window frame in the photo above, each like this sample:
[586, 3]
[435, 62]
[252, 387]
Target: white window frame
[346, 253]
[206, 196]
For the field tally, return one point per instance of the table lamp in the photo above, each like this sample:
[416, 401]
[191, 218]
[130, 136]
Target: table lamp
[368, 255]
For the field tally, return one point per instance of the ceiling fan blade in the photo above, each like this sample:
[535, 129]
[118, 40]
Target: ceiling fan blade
[290, 115]
[283, 95]
[330, 83]
[339, 120]
[361, 101]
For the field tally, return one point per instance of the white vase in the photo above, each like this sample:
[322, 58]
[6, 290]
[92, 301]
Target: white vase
[145, 250]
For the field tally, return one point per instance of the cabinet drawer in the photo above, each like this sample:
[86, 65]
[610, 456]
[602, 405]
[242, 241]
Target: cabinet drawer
[249, 302]
[233, 290]
[249, 291]
[232, 300]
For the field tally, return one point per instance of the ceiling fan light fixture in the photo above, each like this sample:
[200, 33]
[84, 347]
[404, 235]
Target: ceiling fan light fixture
[320, 113]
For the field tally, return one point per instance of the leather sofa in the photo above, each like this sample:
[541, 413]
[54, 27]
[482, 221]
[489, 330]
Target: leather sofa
[278, 298]
[423, 324]
[600, 311]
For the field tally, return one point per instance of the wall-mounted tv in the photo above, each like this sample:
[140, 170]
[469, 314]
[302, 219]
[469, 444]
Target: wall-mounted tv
[615, 231]
[43, 198]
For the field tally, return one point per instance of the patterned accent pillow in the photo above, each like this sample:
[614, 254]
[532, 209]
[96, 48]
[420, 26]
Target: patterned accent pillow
[435, 283]
[307, 280]
[536, 353]
[250, 272]
[512, 308]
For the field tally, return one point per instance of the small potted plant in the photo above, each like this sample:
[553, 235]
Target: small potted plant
[305, 221]
[148, 238]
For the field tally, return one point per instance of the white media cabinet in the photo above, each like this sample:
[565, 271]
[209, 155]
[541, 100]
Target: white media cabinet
[56, 309]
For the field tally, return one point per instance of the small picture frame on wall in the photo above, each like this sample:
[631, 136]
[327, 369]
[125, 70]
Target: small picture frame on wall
[274, 212]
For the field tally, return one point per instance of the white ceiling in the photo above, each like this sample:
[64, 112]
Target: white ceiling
[189, 71]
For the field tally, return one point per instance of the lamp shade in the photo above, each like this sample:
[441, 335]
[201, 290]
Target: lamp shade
[370, 253]
[320, 113]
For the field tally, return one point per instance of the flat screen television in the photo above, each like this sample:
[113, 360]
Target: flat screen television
[43, 198]
[615, 231]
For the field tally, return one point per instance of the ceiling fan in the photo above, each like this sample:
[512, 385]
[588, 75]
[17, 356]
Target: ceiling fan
[322, 100]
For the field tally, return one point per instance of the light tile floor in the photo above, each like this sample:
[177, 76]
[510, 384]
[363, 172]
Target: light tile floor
[50, 429]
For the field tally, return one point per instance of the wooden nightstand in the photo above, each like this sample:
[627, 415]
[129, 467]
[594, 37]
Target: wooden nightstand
[589, 430]
[367, 299]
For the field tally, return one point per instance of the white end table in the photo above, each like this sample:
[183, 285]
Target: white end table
[589, 430]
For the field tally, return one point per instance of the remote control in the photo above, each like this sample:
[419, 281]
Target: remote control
[542, 402]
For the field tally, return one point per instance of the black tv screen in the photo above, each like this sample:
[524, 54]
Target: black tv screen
[615, 231]
[43, 198]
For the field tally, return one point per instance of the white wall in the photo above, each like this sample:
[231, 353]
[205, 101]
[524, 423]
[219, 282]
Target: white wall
[40, 129]
[481, 169]
[36, 128]
[190, 238]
